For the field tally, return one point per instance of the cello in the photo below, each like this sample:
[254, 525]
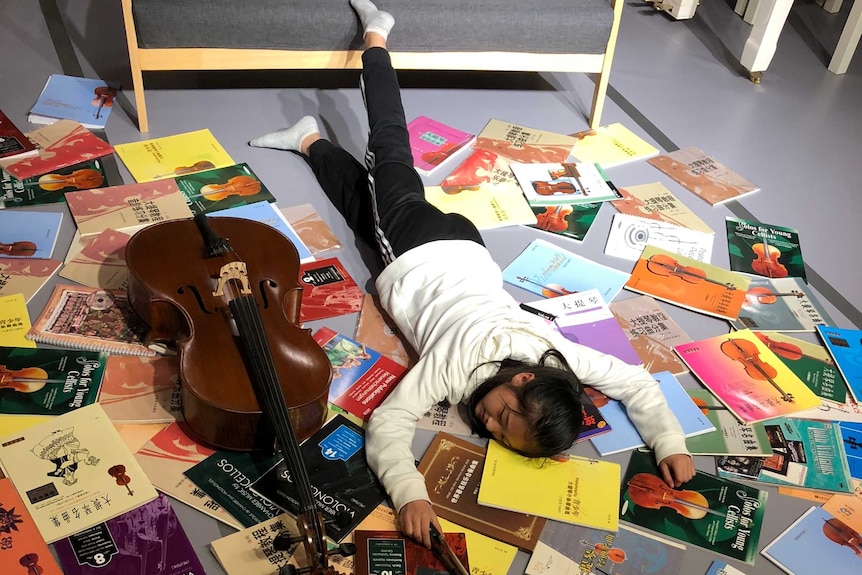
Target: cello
[226, 293]
[748, 355]
[21, 249]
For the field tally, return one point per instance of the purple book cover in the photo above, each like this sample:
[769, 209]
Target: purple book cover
[147, 540]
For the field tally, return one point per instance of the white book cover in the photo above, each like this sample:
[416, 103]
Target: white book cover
[563, 183]
[629, 235]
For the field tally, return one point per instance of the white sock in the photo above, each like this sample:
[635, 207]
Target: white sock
[290, 138]
[372, 19]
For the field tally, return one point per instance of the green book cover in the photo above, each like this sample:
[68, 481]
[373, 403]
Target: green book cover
[764, 249]
[221, 188]
[731, 437]
[52, 187]
[48, 381]
[572, 221]
[719, 515]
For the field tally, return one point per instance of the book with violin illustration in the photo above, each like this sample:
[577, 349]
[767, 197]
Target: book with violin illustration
[564, 548]
[453, 465]
[785, 304]
[267, 213]
[101, 262]
[719, 515]
[315, 233]
[147, 540]
[655, 202]
[79, 317]
[551, 271]
[361, 377]
[569, 220]
[571, 489]
[845, 347]
[13, 142]
[848, 506]
[817, 542]
[629, 235]
[611, 145]
[746, 376]
[651, 332]
[51, 187]
[61, 144]
[392, 552]
[624, 436]
[731, 437]
[26, 234]
[764, 249]
[126, 208]
[221, 188]
[434, 144]
[25, 275]
[73, 472]
[548, 184]
[346, 491]
[137, 389]
[688, 283]
[805, 453]
[48, 381]
[488, 206]
[14, 321]
[23, 550]
[811, 363]
[172, 156]
[85, 100]
[327, 290]
[703, 175]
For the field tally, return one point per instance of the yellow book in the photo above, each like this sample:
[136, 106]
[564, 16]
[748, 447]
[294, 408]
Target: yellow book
[574, 490]
[488, 556]
[611, 146]
[487, 206]
[14, 321]
[14, 423]
[173, 156]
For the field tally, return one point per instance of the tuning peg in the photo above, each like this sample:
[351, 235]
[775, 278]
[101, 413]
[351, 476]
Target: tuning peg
[288, 570]
[284, 541]
[345, 550]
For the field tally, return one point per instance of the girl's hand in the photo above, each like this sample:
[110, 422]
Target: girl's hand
[415, 518]
[676, 469]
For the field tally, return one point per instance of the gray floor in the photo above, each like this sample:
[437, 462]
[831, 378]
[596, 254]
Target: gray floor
[677, 83]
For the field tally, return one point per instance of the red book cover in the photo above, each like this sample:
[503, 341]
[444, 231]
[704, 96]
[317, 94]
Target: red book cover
[60, 144]
[328, 290]
[22, 549]
[13, 142]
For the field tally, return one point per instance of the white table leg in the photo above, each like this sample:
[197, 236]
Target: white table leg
[760, 47]
[848, 41]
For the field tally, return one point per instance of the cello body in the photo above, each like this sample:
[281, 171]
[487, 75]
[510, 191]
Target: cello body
[174, 286]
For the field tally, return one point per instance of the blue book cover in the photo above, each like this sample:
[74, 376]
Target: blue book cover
[624, 436]
[87, 101]
[28, 234]
[845, 347]
[817, 542]
[722, 568]
[550, 271]
[851, 435]
[267, 213]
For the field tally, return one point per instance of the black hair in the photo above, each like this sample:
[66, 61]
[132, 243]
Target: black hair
[551, 402]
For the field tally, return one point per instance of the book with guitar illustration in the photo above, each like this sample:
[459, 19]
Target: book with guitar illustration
[764, 249]
[703, 175]
[731, 437]
[805, 453]
[73, 472]
[746, 376]
[172, 156]
[785, 304]
[23, 550]
[655, 202]
[651, 332]
[722, 516]
[845, 347]
[51, 187]
[569, 220]
[221, 188]
[551, 271]
[85, 100]
[688, 283]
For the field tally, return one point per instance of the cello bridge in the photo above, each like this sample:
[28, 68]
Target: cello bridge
[233, 271]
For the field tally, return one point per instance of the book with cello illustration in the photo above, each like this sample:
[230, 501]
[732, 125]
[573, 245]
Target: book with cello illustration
[817, 542]
[48, 381]
[845, 347]
[569, 220]
[147, 540]
[85, 100]
[785, 304]
[51, 187]
[23, 549]
[172, 156]
[731, 437]
[764, 249]
[805, 453]
[549, 184]
[703, 175]
[221, 188]
[746, 376]
[29, 234]
[70, 462]
[688, 283]
[565, 549]
[651, 332]
[719, 515]
[488, 206]
[551, 271]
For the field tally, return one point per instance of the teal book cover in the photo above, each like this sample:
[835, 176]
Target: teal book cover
[222, 188]
[50, 188]
[845, 347]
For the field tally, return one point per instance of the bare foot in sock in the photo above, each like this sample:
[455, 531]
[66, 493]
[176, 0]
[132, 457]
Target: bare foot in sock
[292, 138]
[373, 20]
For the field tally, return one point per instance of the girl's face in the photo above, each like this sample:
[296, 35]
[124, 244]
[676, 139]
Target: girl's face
[499, 412]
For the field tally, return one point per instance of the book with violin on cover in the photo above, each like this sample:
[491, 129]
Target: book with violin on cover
[688, 283]
[719, 515]
[550, 184]
[23, 549]
[221, 188]
[570, 220]
[785, 304]
[85, 100]
[764, 249]
[845, 347]
[73, 472]
[50, 188]
[28, 234]
[172, 156]
[746, 376]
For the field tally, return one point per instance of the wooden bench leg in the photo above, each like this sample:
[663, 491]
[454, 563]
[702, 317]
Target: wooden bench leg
[134, 63]
[848, 41]
[601, 91]
[760, 46]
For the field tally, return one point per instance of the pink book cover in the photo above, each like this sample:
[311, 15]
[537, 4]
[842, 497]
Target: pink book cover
[138, 389]
[327, 290]
[747, 376]
[433, 142]
[60, 144]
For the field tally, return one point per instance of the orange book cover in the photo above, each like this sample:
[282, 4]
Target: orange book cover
[22, 549]
[138, 389]
[688, 283]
